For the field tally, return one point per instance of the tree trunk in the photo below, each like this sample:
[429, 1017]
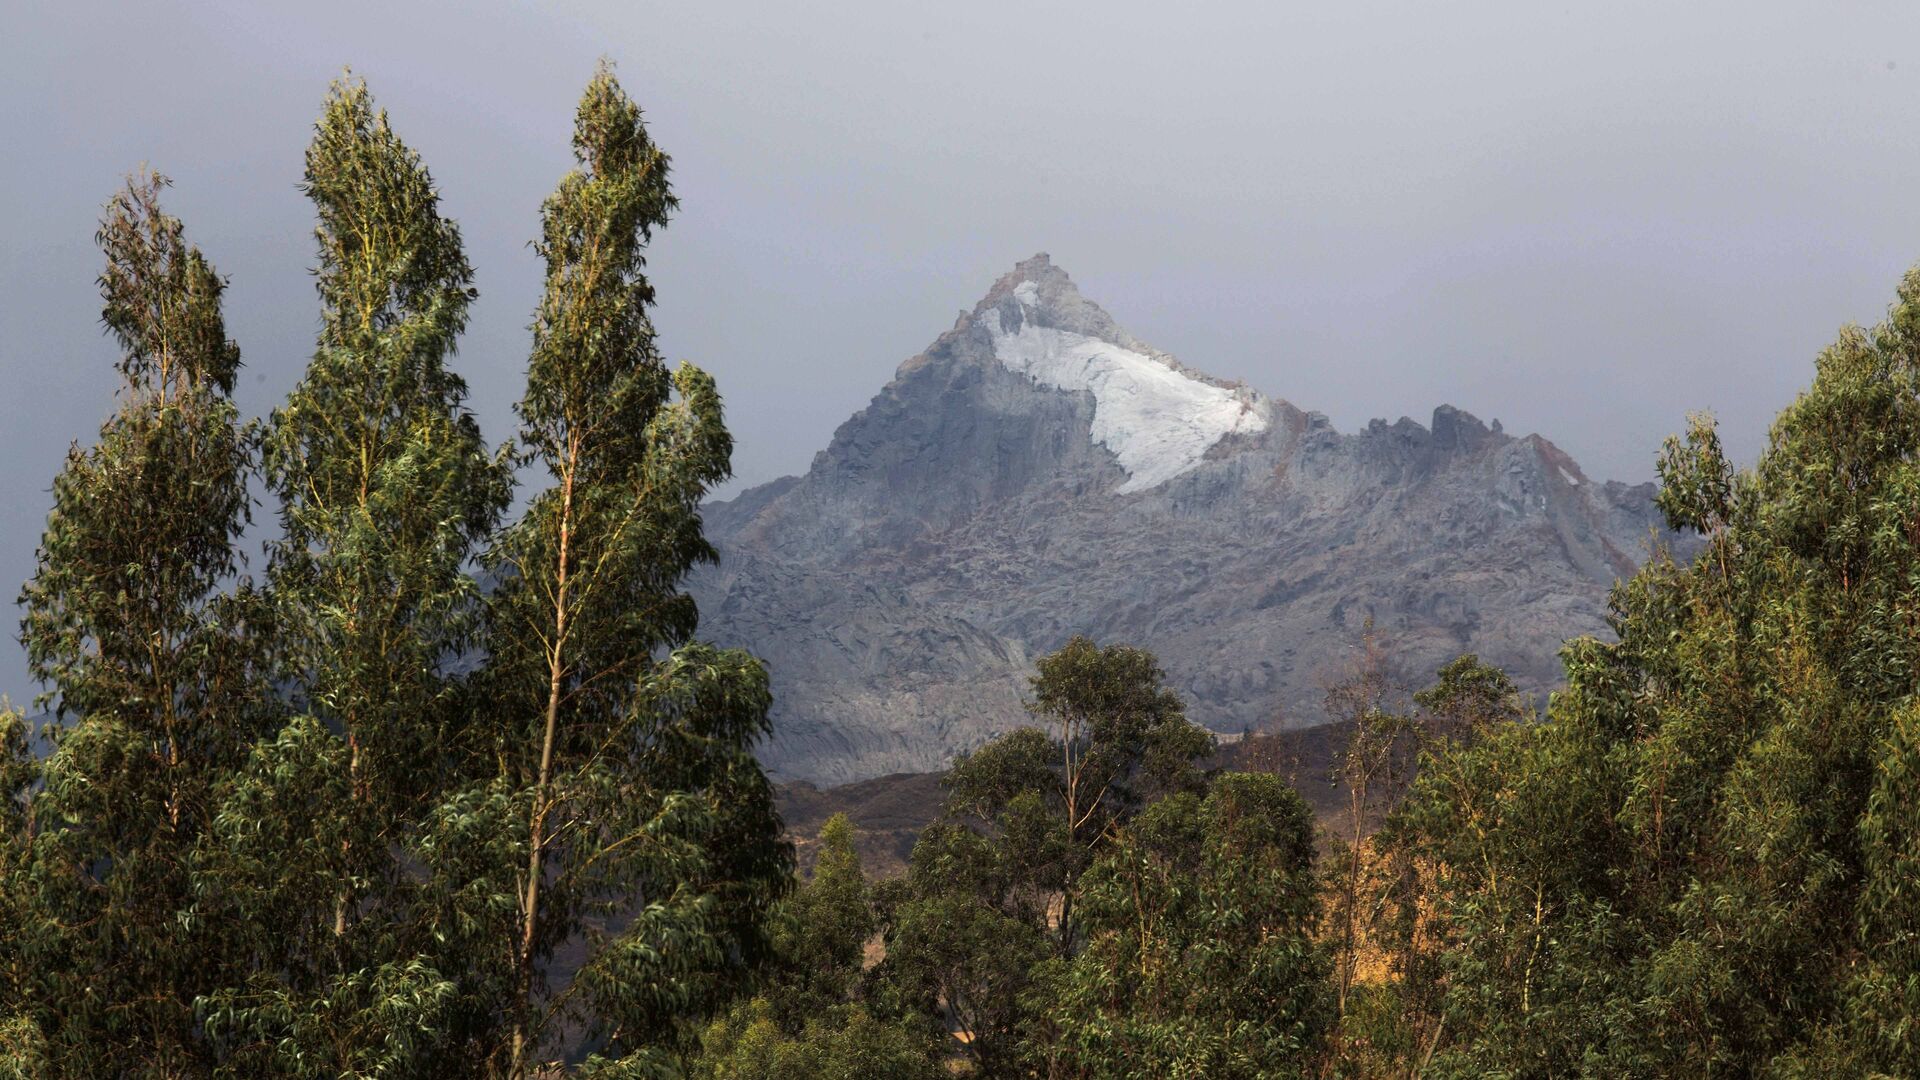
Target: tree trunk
[536, 853]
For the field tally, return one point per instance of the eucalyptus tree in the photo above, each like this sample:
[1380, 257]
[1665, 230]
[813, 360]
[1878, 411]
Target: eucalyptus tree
[991, 887]
[386, 491]
[1121, 738]
[813, 1015]
[1373, 768]
[622, 746]
[1399, 1021]
[386, 487]
[820, 932]
[1200, 958]
[152, 665]
[1703, 863]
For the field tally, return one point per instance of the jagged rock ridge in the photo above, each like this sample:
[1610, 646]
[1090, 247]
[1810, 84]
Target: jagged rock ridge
[1039, 472]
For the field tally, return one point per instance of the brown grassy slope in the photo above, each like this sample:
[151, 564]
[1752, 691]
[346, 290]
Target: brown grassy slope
[887, 812]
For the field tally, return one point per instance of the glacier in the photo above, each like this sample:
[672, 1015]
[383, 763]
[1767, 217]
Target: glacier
[1159, 422]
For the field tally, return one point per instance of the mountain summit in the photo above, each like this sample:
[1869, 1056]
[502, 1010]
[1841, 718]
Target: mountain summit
[1039, 472]
[1157, 419]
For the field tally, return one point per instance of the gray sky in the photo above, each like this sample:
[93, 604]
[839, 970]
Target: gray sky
[1584, 220]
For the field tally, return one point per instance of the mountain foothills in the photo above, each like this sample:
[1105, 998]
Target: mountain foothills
[1040, 472]
[448, 792]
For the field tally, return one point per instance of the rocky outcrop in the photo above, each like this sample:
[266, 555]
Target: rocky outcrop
[1039, 472]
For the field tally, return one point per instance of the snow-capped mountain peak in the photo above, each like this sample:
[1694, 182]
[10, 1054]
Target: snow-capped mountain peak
[1157, 420]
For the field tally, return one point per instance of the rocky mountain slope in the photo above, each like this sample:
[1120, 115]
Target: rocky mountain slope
[1039, 472]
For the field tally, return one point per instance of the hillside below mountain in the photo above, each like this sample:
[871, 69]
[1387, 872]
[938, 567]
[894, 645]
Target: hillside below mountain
[1039, 472]
[888, 813]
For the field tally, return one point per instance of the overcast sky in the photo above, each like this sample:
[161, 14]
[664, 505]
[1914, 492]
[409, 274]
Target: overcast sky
[1584, 220]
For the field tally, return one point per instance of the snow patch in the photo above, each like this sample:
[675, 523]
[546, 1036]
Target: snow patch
[1159, 422]
[1568, 477]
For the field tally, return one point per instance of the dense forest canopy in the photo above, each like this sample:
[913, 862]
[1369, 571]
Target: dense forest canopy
[442, 793]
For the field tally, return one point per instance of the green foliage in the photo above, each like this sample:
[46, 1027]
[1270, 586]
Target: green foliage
[385, 489]
[1200, 959]
[1505, 825]
[625, 746]
[991, 889]
[690, 832]
[496, 826]
[155, 670]
[1696, 479]
[23, 1050]
[820, 933]
[1120, 738]
[1382, 884]
[1468, 699]
[18, 774]
[841, 1043]
[952, 958]
[1123, 737]
[813, 1017]
[1703, 863]
[385, 1020]
[1374, 768]
[21, 1043]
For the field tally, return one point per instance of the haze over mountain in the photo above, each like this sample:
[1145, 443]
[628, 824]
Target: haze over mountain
[1039, 472]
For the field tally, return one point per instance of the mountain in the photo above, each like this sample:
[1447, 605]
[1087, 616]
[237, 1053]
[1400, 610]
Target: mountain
[1039, 472]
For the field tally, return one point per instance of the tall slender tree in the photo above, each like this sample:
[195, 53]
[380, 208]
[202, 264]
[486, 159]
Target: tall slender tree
[1373, 769]
[623, 745]
[153, 666]
[386, 491]
[386, 487]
